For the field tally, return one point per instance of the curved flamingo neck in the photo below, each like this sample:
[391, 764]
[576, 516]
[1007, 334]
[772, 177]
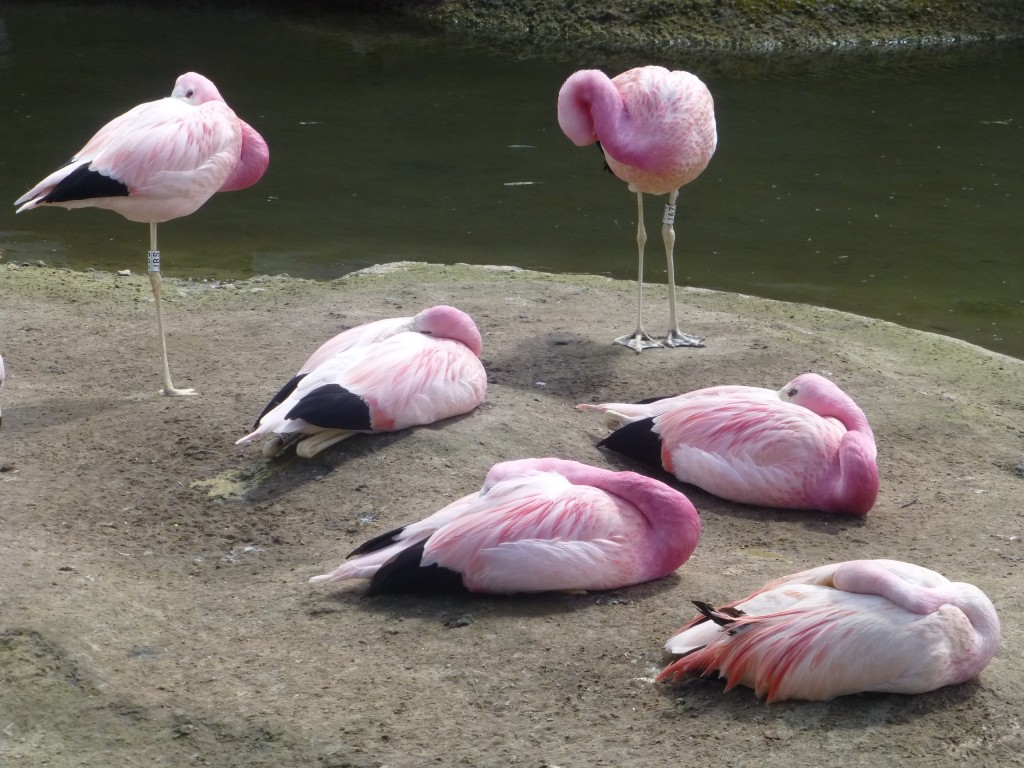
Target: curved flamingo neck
[665, 509]
[838, 405]
[445, 322]
[252, 162]
[855, 479]
[868, 578]
[852, 417]
[591, 108]
[823, 397]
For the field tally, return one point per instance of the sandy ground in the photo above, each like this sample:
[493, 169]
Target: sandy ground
[155, 609]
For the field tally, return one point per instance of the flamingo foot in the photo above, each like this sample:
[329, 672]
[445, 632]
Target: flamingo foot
[170, 391]
[273, 446]
[677, 338]
[638, 341]
[278, 444]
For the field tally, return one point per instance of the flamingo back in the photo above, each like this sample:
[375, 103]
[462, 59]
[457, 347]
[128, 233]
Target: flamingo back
[764, 453]
[656, 127]
[673, 114]
[532, 528]
[844, 628]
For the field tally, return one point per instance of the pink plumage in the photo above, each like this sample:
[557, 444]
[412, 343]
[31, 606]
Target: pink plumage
[807, 446]
[657, 131]
[656, 127]
[380, 377]
[160, 160]
[536, 525]
[156, 162]
[863, 625]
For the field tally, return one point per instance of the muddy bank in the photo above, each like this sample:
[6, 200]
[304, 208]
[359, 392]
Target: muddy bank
[155, 608]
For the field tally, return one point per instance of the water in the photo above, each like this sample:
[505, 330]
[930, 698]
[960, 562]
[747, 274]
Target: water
[890, 185]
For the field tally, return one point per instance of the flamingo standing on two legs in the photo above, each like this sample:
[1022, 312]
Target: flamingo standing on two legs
[157, 162]
[657, 131]
[807, 446]
[862, 625]
[537, 525]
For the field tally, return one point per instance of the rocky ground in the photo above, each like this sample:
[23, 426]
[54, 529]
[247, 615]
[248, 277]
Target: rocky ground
[154, 608]
[753, 26]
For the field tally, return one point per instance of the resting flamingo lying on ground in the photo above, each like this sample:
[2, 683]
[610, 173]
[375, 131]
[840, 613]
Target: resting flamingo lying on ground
[536, 525]
[156, 162]
[807, 446]
[379, 377]
[862, 625]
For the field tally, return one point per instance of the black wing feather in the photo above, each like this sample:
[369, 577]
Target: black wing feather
[377, 542]
[280, 397]
[83, 184]
[333, 407]
[637, 440]
[405, 573]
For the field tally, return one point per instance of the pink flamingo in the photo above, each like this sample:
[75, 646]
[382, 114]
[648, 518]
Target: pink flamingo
[862, 625]
[807, 446]
[657, 131]
[3, 378]
[156, 162]
[360, 336]
[536, 525]
[380, 377]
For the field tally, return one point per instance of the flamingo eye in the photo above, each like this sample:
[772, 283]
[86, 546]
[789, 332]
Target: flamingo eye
[189, 93]
[791, 392]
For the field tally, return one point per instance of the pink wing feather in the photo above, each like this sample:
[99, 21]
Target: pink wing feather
[539, 533]
[539, 525]
[868, 625]
[172, 155]
[407, 380]
[769, 453]
[831, 643]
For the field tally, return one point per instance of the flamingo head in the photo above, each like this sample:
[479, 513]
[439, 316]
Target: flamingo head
[446, 322]
[195, 89]
[576, 102]
[825, 398]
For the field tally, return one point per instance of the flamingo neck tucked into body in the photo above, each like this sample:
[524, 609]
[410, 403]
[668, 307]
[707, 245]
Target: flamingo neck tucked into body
[976, 646]
[855, 480]
[665, 509]
[590, 108]
[252, 162]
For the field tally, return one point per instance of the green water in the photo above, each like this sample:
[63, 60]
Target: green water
[889, 184]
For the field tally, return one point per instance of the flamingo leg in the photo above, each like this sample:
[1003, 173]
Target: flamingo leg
[675, 338]
[155, 282]
[638, 340]
[313, 444]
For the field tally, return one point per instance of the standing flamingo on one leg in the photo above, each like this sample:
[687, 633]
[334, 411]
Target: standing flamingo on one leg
[157, 162]
[862, 625]
[657, 131]
[537, 525]
[807, 446]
